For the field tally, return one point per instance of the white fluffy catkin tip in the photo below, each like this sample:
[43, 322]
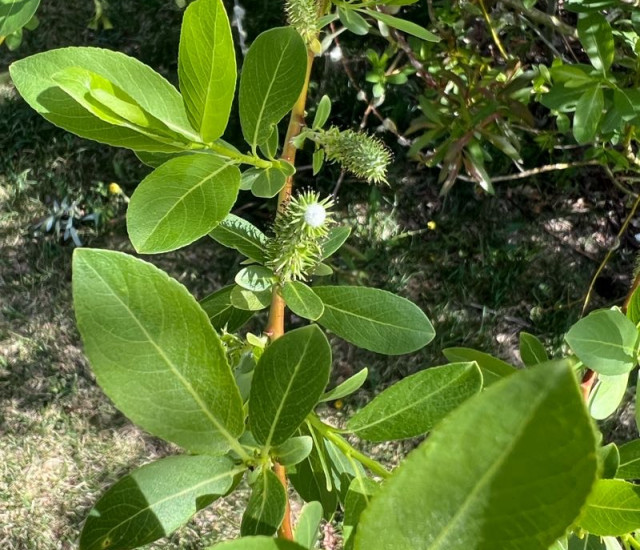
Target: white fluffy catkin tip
[315, 215]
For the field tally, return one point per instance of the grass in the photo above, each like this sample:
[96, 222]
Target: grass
[482, 268]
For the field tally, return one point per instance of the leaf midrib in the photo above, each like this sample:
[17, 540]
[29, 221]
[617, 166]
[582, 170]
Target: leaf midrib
[371, 320]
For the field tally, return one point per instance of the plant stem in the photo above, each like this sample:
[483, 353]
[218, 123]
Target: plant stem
[329, 433]
[286, 530]
[245, 159]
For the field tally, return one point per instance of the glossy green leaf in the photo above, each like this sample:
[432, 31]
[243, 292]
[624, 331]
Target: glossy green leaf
[323, 111]
[492, 368]
[629, 467]
[588, 114]
[273, 75]
[207, 67]
[266, 506]
[353, 21]
[374, 319]
[532, 350]
[290, 378]
[349, 386]
[480, 466]
[612, 509]
[607, 395]
[302, 300]
[293, 450]
[417, 403]
[155, 500]
[268, 182]
[249, 300]
[358, 498]
[308, 525]
[633, 308]
[255, 277]
[181, 201]
[596, 38]
[336, 238]
[33, 77]
[15, 14]
[403, 25]
[257, 543]
[237, 233]
[605, 341]
[136, 324]
[222, 314]
[609, 459]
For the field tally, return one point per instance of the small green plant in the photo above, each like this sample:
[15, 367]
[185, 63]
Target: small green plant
[512, 460]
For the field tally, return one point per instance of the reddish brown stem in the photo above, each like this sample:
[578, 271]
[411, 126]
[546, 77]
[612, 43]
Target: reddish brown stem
[286, 529]
[588, 380]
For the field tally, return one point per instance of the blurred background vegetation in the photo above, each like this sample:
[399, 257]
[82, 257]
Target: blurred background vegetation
[505, 249]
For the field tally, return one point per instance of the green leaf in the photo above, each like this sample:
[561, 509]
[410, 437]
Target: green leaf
[33, 77]
[588, 115]
[596, 38]
[480, 466]
[629, 467]
[532, 350]
[207, 67]
[374, 319]
[358, 498]
[268, 182]
[293, 450]
[181, 201]
[155, 500]
[15, 14]
[336, 238]
[612, 509]
[302, 300]
[249, 300]
[222, 314]
[308, 525]
[323, 111]
[492, 368]
[607, 395]
[353, 21]
[416, 404]
[609, 459]
[403, 25]
[588, 542]
[349, 386]
[265, 509]
[272, 78]
[237, 233]
[136, 324]
[256, 278]
[323, 270]
[633, 308]
[270, 147]
[290, 378]
[257, 543]
[605, 341]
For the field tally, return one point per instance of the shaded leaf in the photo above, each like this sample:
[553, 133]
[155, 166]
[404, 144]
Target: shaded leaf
[266, 506]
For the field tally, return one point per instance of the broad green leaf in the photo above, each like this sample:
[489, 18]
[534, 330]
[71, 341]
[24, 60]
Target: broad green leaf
[374, 319]
[268, 182]
[302, 300]
[605, 341]
[403, 25]
[609, 459]
[15, 14]
[154, 160]
[612, 509]
[249, 300]
[358, 498]
[353, 21]
[33, 77]
[154, 352]
[350, 385]
[222, 314]
[342, 470]
[293, 450]
[481, 465]
[270, 147]
[257, 543]
[207, 67]
[336, 238]
[588, 114]
[587, 542]
[629, 467]
[633, 308]
[416, 404]
[308, 524]
[492, 368]
[255, 277]
[155, 500]
[607, 395]
[532, 350]
[596, 38]
[290, 378]
[323, 111]
[265, 509]
[235, 232]
[323, 270]
[273, 75]
[181, 201]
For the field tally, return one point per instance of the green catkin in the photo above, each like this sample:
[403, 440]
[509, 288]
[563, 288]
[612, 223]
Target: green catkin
[302, 15]
[364, 156]
[300, 230]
